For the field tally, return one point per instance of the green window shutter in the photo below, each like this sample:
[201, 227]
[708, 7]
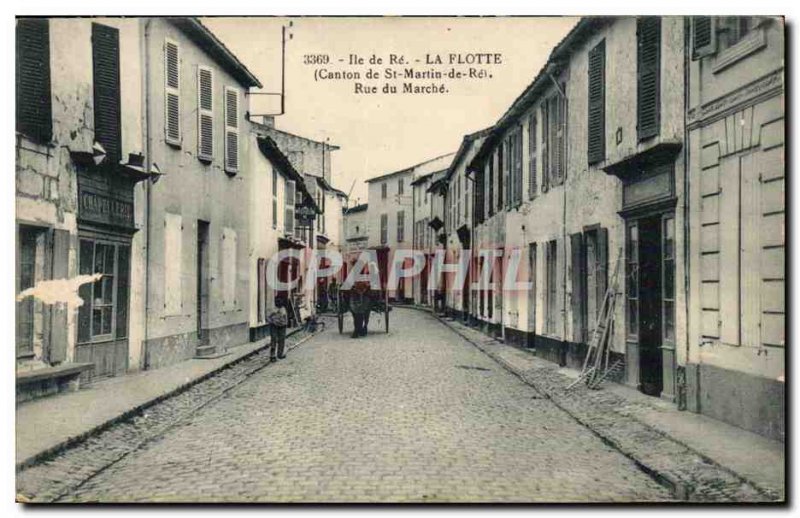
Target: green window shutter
[648, 98]
[34, 106]
[105, 60]
[597, 103]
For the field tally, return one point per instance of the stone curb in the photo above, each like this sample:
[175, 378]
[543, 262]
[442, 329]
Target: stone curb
[70, 442]
[679, 488]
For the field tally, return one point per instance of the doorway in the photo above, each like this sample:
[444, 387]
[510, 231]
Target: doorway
[202, 281]
[651, 294]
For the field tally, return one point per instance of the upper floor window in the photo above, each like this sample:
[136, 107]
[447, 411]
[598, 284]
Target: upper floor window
[532, 155]
[401, 226]
[34, 106]
[400, 186]
[274, 198]
[231, 130]
[554, 111]
[596, 146]
[383, 191]
[172, 85]
[205, 113]
[384, 228]
[648, 91]
[105, 61]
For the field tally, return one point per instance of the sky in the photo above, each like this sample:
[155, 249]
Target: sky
[381, 133]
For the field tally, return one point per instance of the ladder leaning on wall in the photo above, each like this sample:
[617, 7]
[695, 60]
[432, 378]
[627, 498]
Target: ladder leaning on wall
[595, 364]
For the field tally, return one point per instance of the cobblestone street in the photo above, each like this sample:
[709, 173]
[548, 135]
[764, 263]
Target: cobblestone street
[416, 415]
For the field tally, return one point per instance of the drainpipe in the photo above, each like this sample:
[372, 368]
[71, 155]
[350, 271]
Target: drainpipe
[550, 70]
[686, 200]
[148, 190]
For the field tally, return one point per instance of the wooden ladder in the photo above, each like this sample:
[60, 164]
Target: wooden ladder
[595, 364]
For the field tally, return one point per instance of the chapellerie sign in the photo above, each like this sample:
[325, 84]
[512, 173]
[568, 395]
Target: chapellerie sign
[100, 208]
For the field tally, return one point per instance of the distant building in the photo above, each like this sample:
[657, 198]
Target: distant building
[391, 213]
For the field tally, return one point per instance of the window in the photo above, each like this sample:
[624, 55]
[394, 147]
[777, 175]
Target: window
[632, 279]
[384, 228]
[105, 60]
[589, 280]
[288, 211]
[383, 191]
[555, 142]
[231, 130]
[34, 106]
[648, 91]
[668, 281]
[515, 166]
[490, 168]
[479, 201]
[704, 36]
[532, 156]
[274, 198]
[172, 84]
[400, 186]
[401, 226]
[501, 172]
[30, 266]
[733, 29]
[104, 313]
[205, 113]
[551, 287]
[597, 104]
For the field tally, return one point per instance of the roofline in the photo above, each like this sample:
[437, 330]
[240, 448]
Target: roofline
[407, 169]
[209, 42]
[358, 208]
[272, 152]
[464, 147]
[525, 99]
[328, 146]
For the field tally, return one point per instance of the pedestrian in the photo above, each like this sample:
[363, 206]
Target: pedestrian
[278, 321]
[360, 307]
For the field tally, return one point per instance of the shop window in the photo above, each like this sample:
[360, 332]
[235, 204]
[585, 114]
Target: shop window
[104, 314]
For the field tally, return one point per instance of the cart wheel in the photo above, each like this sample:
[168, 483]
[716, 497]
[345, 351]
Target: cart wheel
[341, 323]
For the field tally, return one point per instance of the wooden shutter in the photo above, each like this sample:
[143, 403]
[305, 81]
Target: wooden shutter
[545, 147]
[704, 37]
[105, 60]
[602, 265]
[597, 103]
[500, 173]
[289, 201]
[490, 167]
[231, 130]
[649, 76]
[578, 295]
[532, 156]
[478, 196]
[205, 113]
[172, 83]
[58, 323]
[34, 106]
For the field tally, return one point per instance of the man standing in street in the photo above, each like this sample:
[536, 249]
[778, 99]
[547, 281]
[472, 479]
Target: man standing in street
[277, 330]
[360, 306]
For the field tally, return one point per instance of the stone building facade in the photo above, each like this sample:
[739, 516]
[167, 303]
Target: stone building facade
[79, 161]
[735, 354]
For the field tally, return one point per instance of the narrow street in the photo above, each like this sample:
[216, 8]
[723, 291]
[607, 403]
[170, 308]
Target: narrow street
[418, 415]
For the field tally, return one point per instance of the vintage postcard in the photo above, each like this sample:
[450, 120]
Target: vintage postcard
[400, 259]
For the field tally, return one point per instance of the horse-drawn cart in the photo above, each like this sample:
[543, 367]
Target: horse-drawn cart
[362, 298]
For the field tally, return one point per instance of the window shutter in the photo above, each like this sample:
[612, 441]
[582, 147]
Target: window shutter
[34, 106]
[231, 130]
[704, 37]
[602, 263]
[577, 299]
[500, 172]
[205, 113]
[532, 144]
[545, 147]
[597, 103]
[289, 208]
[105, 60]
[518, 163]
[648, 88]
[172, 84]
